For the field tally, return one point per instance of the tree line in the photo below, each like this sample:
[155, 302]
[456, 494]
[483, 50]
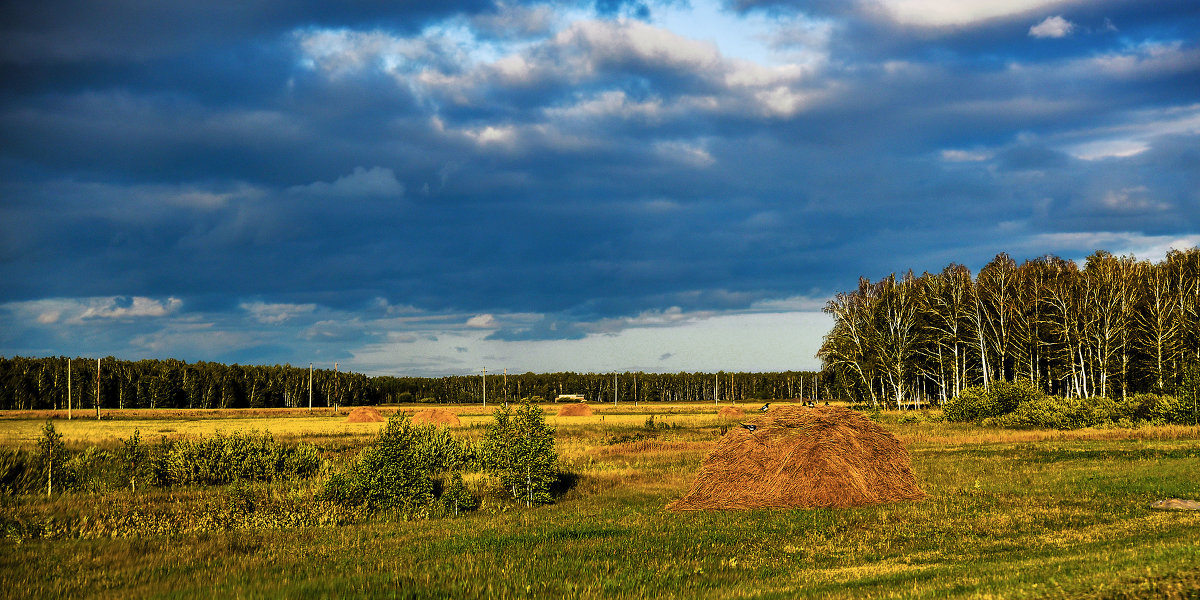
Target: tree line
[1115, 327]
[44, 383]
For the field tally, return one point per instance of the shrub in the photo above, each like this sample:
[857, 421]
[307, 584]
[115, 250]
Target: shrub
[1055, 412]
[396, 471]
[238, 456]
[972, 404]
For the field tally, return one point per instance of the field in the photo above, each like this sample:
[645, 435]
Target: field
[1009, 514]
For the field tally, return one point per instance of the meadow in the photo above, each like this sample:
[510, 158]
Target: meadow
[1009, 514]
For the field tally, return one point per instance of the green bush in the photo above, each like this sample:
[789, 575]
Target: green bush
[972, 404]
[1002, 397]
[1055, 412]
[397, 470]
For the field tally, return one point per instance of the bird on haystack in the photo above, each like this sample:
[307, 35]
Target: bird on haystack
[749, 427]
[765, 407]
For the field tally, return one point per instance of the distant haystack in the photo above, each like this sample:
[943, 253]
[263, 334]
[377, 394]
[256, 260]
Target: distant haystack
[730, 412]
[435, 416]
[575, 410]
[798, 457]
[365, 414]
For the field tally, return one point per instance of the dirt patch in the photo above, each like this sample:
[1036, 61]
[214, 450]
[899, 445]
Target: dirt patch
[1175, 504]
[800, 457]
[365, 414]
[575, 410]
[731, 412]
[435, 416]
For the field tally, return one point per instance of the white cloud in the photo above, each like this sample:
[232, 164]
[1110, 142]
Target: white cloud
[274, 313]
[954, 13]
[484, 321]
[1052, 27]
[965, 155]
[120, 307]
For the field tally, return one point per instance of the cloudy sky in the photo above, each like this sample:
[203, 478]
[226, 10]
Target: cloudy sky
[436, 187]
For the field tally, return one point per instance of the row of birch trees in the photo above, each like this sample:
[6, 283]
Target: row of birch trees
[1114, 327]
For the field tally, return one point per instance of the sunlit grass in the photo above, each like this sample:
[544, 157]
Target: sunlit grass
[1009, 514]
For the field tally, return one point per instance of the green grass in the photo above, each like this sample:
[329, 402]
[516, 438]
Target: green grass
[1008, 515]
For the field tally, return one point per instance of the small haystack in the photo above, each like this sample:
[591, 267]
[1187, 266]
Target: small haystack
[1175, 504]
[435, 416]
[730, 412]
[365, 414]
[575, 410]
[799, 457]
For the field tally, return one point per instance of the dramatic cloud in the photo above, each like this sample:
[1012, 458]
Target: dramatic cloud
[429, 187]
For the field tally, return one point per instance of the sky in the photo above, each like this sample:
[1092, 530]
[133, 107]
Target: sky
[435, 188]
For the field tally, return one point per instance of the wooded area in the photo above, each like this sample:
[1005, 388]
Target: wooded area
[42, 383]
[1117, 326]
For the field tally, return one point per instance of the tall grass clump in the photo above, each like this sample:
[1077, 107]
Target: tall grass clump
[226, 458]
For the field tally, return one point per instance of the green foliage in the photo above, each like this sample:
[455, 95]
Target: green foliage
[133, 457]
[1055, 412]
[1008, 395]
[456, 498]
[1022, 405]
[973, 404]
[397, 470]
[1189, 395]
[519, 449]
[225, 458]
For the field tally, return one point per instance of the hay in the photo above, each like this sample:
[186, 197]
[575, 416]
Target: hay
[1175, 504]
[575, 410]
[803, 458]
[365, 414]
[731, 412]
[435, 416]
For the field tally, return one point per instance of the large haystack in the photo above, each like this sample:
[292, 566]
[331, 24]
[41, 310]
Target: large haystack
[731, 412]
[435, 416]
[575, 410]
[365, 414]
[803, 458]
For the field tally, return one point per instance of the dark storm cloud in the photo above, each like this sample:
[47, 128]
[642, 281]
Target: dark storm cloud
[479, 158]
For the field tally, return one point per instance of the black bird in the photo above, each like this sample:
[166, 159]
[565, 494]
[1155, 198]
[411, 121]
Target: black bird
[749, 427]
[764, 407]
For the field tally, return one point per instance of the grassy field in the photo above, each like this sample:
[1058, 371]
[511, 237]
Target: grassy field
[1009, 514]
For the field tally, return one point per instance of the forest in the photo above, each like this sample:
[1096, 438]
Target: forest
[44, 383]
[1115, 327]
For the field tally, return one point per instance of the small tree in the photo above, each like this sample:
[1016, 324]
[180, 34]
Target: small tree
[134, 455]
[50, 446]
[519, 449]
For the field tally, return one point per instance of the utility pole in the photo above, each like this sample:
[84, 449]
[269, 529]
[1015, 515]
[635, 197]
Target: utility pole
[97, 389]
[506, 386]
[309, 387]
[337, 390]
[614, 388]
[484, 376]
[68, 389]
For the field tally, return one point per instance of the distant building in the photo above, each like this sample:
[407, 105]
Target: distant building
[570, 398]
